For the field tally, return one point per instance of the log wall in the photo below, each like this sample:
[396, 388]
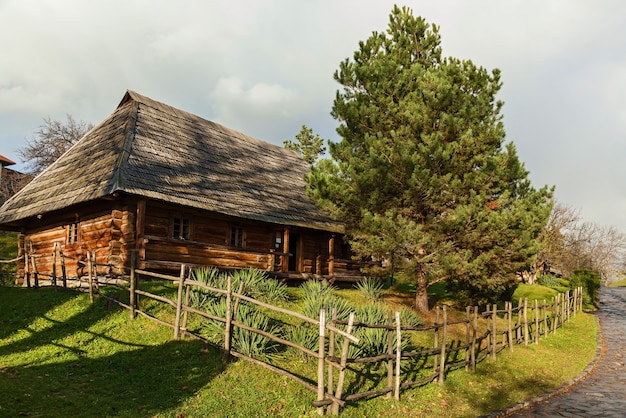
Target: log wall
[112, 228]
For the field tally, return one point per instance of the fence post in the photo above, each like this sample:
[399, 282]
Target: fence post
[229, 318]
[467, 337]
[390, 352]
[474, 332]
[331, 353]
[536, 336]
[436, 341]
[320, 361]
[444, 338]
[54, 264]
[186, 313]
[509, 312]
[555, 313]
[133, 283]
[34, 265]
[342, 364]
[27, 269]
[63, 272]
[525, 321]
[396, 391]
[179, 301]
[494, 317]
[90, 278]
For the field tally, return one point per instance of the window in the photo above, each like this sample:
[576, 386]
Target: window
[180, 227]
[72, 233]
[278, 243]
[236, 237]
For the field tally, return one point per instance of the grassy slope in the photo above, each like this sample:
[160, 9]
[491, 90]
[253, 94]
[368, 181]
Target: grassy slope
[61, 356]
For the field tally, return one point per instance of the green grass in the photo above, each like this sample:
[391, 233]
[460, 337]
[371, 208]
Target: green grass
[61, 356]
[533, 292]
[618, 283]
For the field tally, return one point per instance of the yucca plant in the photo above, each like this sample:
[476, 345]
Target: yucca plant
[316, 288]
[312, 305]
[243, 341]
[371, 288]
[304, 335]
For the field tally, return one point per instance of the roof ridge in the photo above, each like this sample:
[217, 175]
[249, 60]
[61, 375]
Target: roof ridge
[117, 181]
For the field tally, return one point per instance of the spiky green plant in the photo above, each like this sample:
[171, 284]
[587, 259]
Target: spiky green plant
[371, 288]
[243, 341]
[303, 335]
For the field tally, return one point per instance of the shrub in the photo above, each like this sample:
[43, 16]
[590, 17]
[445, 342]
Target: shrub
[549, 281]
[304, 335]
[371, 288]
[257, 284]
[243, 341]
[590, 282]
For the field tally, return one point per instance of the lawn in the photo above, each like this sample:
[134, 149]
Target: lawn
[62, 356]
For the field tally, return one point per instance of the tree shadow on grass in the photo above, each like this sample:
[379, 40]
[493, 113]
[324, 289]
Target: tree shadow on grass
[134, 383]
[61, 359]
[20, 306]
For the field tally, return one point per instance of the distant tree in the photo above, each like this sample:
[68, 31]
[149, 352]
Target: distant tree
[422, 176]
[569, 244]
[51, 140]
[310, 147]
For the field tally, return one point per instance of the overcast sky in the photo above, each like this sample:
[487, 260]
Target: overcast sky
[266, 68]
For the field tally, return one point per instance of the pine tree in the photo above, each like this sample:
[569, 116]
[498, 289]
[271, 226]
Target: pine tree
[422, 175]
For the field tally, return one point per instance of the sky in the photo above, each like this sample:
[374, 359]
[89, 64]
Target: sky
[266, 68]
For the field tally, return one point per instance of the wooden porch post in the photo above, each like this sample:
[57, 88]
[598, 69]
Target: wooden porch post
[140, 223]
[285, 256]
[331, 255]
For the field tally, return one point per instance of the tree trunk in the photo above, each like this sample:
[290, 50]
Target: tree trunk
[421, 293]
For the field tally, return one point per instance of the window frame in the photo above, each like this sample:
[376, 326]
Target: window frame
[73, 235]
[237, 236]
[180, 227]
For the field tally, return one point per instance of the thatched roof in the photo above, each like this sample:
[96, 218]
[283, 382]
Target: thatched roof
[149, 149]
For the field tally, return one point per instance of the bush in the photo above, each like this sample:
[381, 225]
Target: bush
[590, 282]
[257, 284]
[371, 288]
[243, 341]
[549, 281]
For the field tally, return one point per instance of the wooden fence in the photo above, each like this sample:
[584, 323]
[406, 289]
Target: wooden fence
[460, 343]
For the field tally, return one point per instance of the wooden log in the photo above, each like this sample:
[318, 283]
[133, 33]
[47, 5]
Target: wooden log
[525, 321]
[444, 341]
[228, 325]
[474, 334]
[331, 256]
[133, 282]
[536, 323]
[54, 264]
[436, 340]
[331, 353]
[321, 360]
[185, 312]
[179, 301]
[90, 278]
[27, 269]
[390, 353]
[396, 391]
[509, 313]
[344, 360]
[555, 314]
[494, 340]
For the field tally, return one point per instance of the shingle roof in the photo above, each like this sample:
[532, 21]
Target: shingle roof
[150, 149]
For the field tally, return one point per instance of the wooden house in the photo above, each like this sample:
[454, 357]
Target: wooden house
[178, 189]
